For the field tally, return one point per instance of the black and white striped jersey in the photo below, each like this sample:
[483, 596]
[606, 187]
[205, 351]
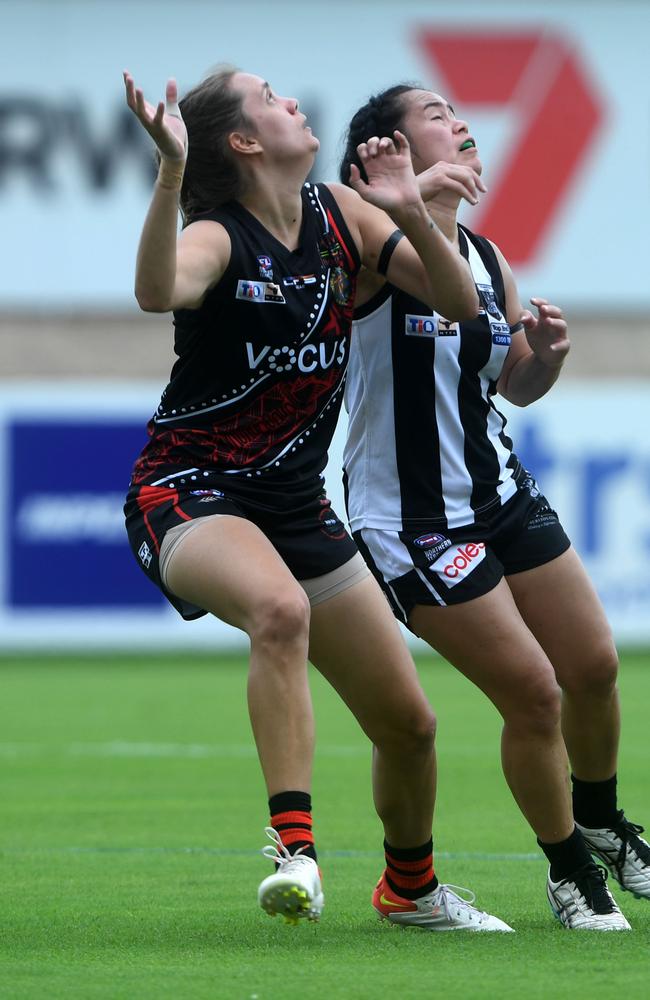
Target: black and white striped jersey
[425, 441]
[256, 391]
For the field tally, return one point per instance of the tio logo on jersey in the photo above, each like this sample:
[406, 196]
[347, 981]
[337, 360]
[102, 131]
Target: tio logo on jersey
[259, 292]
[429, 326]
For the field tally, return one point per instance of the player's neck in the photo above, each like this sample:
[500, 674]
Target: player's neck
[276, 202]
[444, 212]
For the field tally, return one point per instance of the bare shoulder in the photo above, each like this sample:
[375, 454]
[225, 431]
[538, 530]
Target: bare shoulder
[354, 208]
[343, 195]
[204, 246]
[201, 260]
[503, 263]
[206, 234]
[361, 216]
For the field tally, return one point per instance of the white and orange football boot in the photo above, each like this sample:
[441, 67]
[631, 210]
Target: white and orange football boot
[440, 910]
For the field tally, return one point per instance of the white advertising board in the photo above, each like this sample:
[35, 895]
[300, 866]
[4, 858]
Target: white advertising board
[554, 92]
[67, 577]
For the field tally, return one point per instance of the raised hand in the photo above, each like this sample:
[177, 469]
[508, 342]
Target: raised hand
[546, 333]
[163, 122]
[391, 183]
[442, 176]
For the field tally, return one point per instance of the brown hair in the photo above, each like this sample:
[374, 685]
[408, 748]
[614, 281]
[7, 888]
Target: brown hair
[211, 111]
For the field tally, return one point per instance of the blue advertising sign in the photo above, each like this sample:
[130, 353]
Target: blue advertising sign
[68, 577]
[67, 544]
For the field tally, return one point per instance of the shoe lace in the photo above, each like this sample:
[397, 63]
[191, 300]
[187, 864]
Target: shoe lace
[450, 898]
[591, 881]
[278, 853]
[629, 836]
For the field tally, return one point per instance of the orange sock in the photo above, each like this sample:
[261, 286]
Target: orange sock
[291, 817]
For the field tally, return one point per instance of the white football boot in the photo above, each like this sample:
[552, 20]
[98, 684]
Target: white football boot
[440, 910]
[294, 890]
[626, 854]
[582, 902]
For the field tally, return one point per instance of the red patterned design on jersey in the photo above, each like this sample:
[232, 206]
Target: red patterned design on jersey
[248, 438]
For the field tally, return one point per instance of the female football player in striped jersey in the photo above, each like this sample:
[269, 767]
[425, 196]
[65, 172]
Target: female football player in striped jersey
[468, 551]
[227, 512]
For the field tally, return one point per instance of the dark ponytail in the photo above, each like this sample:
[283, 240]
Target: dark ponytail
[380, 116]
[211, 111]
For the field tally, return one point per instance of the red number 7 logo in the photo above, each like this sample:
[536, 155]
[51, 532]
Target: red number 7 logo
[558, 111]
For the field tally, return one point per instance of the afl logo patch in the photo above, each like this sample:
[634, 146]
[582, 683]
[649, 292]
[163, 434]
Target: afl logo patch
[265, 265]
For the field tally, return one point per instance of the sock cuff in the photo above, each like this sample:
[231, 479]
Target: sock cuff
[574, 837]
[607, 783]
[289, 802]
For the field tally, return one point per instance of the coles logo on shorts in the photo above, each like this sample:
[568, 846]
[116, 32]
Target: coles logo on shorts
[458, 562]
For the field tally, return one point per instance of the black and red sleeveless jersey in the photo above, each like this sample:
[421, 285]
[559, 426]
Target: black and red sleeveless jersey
[255, 393]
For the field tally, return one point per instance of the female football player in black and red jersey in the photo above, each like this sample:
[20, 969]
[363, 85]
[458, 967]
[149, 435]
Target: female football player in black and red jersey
[227, 512]
[468, 551]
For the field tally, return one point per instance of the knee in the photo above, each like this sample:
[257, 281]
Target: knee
[412, 733]
[281, 620]
[537, 707]
[422, 730]
[595, 673]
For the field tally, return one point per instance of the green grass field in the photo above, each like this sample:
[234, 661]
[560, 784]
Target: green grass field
[132, 812]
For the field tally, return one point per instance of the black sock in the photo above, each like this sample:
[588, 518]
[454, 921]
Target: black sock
[594, 803]
[566, 857]
[291, 817]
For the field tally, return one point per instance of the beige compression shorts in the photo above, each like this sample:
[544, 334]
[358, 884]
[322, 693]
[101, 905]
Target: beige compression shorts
[318, 588]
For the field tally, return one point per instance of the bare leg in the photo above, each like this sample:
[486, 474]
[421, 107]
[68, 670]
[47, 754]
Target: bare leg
[561, 608]
[228, 567]
[357, 645]
[489, 643]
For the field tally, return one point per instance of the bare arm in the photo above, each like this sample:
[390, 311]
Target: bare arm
[537, 351]
[172, 273]
[425, 264]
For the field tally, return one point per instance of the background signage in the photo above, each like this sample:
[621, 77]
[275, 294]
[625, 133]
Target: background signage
[69, 575]
[555, 95]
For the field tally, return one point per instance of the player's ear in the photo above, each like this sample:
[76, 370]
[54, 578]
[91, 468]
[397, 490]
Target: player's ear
[245, 144]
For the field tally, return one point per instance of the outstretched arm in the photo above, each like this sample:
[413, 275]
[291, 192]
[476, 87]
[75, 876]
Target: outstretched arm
[425, 264]
[172, 273]
[538, 350]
